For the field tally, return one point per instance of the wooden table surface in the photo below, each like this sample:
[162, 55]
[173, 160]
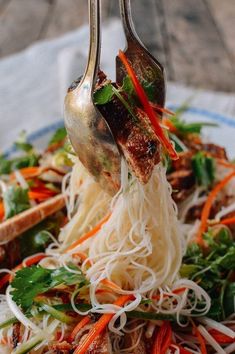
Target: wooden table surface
[194, 39]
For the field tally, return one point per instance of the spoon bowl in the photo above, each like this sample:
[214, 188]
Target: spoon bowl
[87, 129]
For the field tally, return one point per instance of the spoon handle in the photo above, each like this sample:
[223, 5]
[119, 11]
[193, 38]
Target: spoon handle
[90, 74]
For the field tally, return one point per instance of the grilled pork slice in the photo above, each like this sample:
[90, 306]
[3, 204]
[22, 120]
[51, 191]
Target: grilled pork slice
[16, 335]
[59, 348]
[214, 150]
[101, 345]
[139, 345]
[134, 136]
[182, 182]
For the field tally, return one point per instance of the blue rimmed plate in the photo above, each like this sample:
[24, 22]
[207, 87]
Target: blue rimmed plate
[223, 135]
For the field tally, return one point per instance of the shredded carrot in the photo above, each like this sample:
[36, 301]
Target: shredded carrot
[176, 291]
[110, 284]
[161, 109]
[103, 291]
[148, 109]
[228, 221]
[55, 146]
[33, 260]
[81, 255]
[100, 326]
[2, 211]
[207, 206]
[168, 123]
[225, 163]
[220, 337]
[78, 327]
[41, 196]
[167, 340]
[89, 234]
[28, 172]
[200, 339]
[163, 339]
[4, 341]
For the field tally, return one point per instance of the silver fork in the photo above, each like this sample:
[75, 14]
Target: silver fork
[88, 131]
[144, 64]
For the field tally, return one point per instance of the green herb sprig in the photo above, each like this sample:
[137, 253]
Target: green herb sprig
[35, 280]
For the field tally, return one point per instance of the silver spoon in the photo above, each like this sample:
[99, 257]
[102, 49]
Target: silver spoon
[88, 130]
[144, 64]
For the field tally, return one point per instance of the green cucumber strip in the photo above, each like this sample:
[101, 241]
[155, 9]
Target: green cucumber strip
[8, 323]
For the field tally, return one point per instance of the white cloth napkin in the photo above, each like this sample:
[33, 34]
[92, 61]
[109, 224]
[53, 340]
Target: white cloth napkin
[33, 85]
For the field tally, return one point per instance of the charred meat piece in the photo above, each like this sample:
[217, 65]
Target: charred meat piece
[182, 182]
[60, 348]
[101, 345]
[195, 212]
[134, 137]
[181, 178]
[16, 334]
[214, 150]
[130, 340]
[184, 162]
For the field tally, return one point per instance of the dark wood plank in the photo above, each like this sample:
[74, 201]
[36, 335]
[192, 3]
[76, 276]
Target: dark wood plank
[193, 39]
[67, 16]
[149, 29]
[198, 54]
[3, 5]
[20, 24]
[224, 17]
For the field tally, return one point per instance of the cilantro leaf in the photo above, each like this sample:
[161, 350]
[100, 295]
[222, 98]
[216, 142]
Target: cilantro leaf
[104, 94]
[229, 295]
[5, 166]
[28, 283]
[63, 276]
[212, 269]
[185, 128]
[22, 144]
[127, 86]
[227, 261]
[15, 200]
[29, 160]
[32, 281]
[59, 135]
[39, 237]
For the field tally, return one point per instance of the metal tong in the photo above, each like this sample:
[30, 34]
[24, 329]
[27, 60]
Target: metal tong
[88, 130]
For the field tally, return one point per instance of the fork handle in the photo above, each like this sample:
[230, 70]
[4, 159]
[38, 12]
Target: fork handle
[93, 61]
[127, 22]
